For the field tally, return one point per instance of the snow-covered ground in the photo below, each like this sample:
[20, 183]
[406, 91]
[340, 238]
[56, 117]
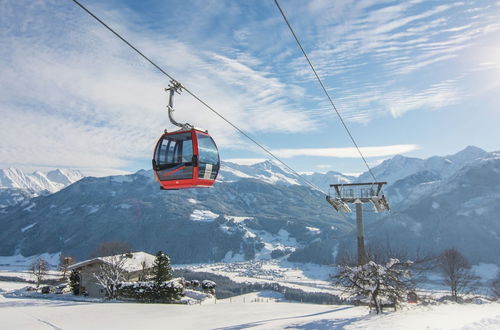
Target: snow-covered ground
[307, 277]
[257, 310]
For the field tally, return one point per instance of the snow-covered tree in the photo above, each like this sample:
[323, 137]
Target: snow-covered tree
[39, 268]
[110, 273]
[457, 273]
[208, 286]
[391, 281]
[162, 271]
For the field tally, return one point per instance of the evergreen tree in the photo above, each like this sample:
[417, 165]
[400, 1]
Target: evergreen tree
[161, 268]
[74, 282]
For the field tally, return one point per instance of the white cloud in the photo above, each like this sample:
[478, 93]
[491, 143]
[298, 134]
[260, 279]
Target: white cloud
[86, 100]
[379, 151]
[81, 98]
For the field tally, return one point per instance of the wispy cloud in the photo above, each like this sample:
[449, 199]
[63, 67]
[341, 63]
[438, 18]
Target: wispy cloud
[83, 99]
[436, 97]
[390, 41]
[379, 151]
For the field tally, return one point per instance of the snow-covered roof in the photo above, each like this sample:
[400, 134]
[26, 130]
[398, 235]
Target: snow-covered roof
[133, 261]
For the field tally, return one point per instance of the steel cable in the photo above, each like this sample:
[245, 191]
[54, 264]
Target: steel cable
[312, 185]
[324, 89]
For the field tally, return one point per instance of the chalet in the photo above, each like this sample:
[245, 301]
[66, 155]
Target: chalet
[134, 265]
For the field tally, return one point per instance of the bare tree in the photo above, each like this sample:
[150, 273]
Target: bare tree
[495, 287]
[390, 281]
[457, 273]
[64, 263]
[144, 272]
[111, 248]
[39, 269]
[110, 273]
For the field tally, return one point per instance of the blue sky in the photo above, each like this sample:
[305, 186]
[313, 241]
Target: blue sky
[419, 78]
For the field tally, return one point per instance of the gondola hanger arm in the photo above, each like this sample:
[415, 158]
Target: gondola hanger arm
[175, 87]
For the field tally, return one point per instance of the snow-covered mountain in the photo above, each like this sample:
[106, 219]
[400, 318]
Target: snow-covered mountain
[264, 211]
[400, 167]
[37, 181]
[270, 171]
[438, 203]
[259, 211]
[267, 171]
[17, 186]
[432, 213]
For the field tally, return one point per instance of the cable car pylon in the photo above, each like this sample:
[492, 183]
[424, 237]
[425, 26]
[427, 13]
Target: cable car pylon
[359, 194]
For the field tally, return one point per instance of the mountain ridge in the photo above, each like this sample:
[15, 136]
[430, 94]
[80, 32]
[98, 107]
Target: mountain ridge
[265, 211]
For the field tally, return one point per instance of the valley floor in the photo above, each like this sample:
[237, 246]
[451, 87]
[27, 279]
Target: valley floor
[242, 312]
[262, 310]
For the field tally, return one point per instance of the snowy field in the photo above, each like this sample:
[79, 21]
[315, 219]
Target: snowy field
[251, 311]
[259, 310]
[317, 278]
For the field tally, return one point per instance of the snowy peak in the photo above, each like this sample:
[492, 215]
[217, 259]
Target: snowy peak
[469, 154]
[267, 171]
[15, 178]
[399, 167]
[64, 176]
[273, 172]
[38, 182]
[11, 178]
[393, 169]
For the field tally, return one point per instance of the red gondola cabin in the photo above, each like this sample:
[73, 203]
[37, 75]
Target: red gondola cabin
[186, 159]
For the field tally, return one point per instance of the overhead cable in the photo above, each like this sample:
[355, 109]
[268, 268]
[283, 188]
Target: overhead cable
[324, 89]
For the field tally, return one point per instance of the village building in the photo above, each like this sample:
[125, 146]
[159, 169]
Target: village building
[134, 266]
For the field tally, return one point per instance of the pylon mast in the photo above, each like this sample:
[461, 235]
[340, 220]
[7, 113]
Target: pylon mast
[359, 194]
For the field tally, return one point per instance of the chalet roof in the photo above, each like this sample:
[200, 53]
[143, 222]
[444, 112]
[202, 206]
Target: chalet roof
[133, 261]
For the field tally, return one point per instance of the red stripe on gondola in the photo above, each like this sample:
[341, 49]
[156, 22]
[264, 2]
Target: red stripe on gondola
[175, 170]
